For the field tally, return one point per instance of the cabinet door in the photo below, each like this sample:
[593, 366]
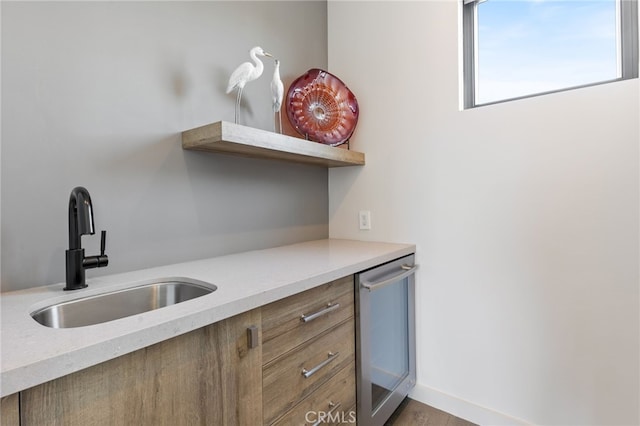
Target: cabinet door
[209, 376]
[9, 412]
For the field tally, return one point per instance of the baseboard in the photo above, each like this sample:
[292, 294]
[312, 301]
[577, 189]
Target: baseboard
[461, 408]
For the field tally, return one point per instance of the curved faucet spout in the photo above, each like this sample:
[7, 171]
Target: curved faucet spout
[80, 216]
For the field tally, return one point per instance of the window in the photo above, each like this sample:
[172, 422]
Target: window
[518, 48]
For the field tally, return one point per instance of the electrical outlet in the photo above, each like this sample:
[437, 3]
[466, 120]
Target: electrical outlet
[364, 220]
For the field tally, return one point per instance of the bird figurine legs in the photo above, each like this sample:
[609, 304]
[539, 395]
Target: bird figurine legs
[277, 122]
[238, 99]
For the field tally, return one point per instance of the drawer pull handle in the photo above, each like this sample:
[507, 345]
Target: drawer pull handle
[311, 317]
[330, 357]
[332, 407]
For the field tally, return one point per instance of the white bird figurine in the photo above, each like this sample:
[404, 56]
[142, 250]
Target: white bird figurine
[277, 91]
[245, 73]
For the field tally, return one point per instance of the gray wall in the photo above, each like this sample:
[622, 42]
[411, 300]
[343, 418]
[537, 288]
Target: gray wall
[97, 93]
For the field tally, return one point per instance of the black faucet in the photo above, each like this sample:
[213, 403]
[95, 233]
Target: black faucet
[81, 223]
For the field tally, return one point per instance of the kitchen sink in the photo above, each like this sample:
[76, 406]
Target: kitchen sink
[121, 303]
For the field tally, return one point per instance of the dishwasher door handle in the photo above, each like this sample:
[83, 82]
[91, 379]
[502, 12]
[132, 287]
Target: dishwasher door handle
[375, 285]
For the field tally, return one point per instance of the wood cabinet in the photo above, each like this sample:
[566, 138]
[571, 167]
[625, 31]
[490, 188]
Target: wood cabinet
[208, 376]
[309, 355]
[299, 368]
[9, 410]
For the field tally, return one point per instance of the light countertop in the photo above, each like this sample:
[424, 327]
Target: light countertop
[31, 354]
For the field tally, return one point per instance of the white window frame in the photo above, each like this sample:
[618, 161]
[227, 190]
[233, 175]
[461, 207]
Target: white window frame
[627, 12]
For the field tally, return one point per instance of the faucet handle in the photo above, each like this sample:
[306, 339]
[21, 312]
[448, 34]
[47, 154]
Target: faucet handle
[103, 238]
[97, 261]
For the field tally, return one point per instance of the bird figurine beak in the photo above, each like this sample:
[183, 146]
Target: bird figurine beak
[268, 54]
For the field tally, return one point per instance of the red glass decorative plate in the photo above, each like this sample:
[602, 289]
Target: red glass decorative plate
[322, 108]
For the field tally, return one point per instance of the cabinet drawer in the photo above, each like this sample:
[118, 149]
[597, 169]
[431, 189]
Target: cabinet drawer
[283, 327]
[333, 403]
[284, 384]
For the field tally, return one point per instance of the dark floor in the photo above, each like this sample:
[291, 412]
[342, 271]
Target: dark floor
[414, 413]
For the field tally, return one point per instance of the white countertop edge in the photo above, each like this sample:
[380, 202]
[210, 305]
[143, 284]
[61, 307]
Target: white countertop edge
[126, 335]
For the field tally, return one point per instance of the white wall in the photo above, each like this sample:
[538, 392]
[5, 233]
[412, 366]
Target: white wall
[525, 215]
[97, 94]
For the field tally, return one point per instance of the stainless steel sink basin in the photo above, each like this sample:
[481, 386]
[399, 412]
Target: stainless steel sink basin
[120, 304]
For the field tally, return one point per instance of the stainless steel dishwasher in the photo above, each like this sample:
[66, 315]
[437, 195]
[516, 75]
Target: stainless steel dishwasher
[385, 339]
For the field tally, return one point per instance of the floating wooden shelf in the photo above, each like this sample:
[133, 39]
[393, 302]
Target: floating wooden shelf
[229, 138]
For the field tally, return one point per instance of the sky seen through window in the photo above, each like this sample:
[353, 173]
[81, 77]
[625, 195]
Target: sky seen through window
[533, 46]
